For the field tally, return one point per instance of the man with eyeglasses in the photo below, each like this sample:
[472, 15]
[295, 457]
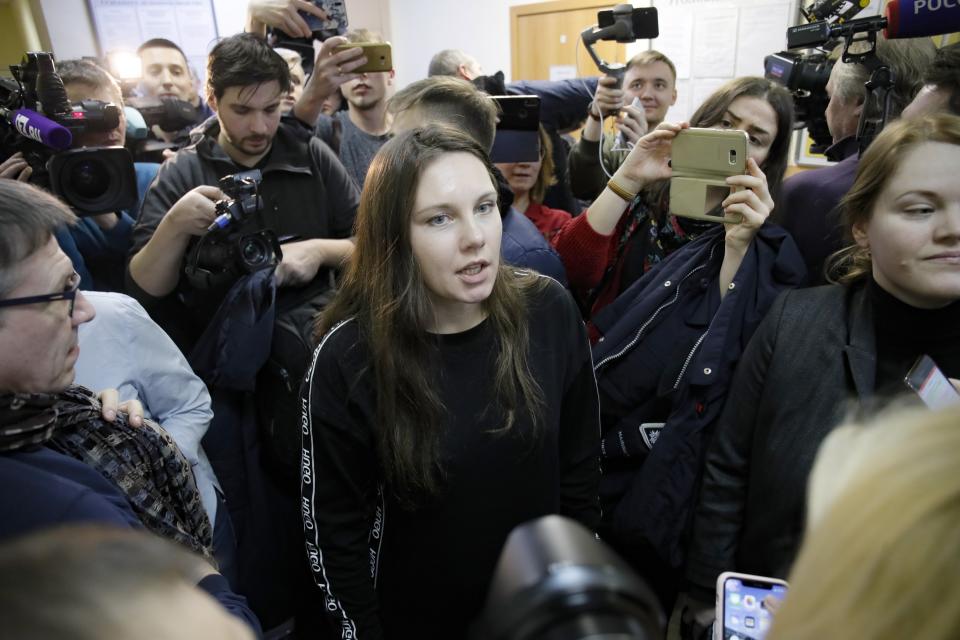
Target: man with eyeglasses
[60, 461]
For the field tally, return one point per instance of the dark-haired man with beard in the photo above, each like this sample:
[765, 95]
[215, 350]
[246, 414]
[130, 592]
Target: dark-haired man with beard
[309, 200]
[306, 194]
[359, 132]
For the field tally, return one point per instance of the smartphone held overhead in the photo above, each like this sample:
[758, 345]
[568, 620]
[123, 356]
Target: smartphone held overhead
[335, 23]
[518, 129]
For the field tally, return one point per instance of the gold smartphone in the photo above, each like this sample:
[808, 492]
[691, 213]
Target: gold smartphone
[379, 56]
[701, 160]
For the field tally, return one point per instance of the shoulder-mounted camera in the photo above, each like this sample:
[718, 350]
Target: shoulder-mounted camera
[37, 119]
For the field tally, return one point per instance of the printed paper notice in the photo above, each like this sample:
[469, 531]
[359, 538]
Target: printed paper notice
[713, 32]
[762, 32]
[562, 72]
[676, 37]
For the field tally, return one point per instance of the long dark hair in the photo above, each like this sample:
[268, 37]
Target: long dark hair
[713, 109]
[384, 291]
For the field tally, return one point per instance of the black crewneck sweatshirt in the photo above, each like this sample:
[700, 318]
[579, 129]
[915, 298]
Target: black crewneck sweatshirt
[387, 571]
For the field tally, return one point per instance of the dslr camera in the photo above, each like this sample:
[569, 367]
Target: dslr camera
[37, 119]
[230, 248]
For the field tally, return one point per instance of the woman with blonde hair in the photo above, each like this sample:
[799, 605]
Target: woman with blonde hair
[881, 558]
[820, 349]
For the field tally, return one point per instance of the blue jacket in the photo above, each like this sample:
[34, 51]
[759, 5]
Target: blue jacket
[523, 245]
[663, 366]
[43, 488]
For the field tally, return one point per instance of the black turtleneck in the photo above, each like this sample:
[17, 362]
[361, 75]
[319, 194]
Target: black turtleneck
[905, 332]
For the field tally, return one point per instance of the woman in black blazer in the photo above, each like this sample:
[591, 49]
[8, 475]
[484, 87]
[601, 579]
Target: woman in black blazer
[822, 351]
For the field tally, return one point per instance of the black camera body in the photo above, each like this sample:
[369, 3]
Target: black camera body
[37, 119]
[231, 248]
[860, 31]
[806, 76]
[170, 114]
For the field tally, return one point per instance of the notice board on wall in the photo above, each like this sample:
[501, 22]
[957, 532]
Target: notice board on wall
[123, 25]
[712, 41]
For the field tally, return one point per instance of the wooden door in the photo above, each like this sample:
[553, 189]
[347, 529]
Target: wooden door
[548, 33]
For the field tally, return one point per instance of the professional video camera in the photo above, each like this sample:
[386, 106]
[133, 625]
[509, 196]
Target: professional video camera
[228, 249]
[37, 119]
[806, 76]
[555, 580]
[900, 19]
[171, 115]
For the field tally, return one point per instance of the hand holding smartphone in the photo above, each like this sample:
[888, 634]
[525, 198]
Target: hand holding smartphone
[379, 56]
[701, 160]
[746, 605]
[334, 25]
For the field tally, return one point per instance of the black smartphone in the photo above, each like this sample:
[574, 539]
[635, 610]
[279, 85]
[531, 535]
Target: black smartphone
[518, 131]
[933, 387]
[334, 25]
[644, 20]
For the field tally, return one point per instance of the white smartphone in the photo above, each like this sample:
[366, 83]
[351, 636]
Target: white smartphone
[928, 382]
[745, 605]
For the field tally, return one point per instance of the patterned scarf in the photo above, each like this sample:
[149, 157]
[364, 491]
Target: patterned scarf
[646, 240]
[144, 463]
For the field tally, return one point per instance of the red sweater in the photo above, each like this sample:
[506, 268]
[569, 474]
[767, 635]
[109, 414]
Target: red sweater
[548, 221]
[586, 255]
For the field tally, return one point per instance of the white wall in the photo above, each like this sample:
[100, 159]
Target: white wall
[69, 27]
[72, 33]
[417, 29]
[369, 14]
[420, 28]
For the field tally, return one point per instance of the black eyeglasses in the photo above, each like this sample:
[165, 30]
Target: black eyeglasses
[70, 294]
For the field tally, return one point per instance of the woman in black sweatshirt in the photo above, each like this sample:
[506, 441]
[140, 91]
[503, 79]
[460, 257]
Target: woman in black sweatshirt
[451, 398]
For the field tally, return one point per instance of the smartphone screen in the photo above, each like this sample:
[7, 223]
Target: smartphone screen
[644, 22]
[518, 129]
[745, 607]
[926, 379]
[336, 22]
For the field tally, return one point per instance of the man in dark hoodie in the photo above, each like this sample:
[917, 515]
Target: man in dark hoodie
[307, 194]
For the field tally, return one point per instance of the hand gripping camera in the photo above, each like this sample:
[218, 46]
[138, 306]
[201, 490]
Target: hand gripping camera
[229, 250]
[37, 119]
